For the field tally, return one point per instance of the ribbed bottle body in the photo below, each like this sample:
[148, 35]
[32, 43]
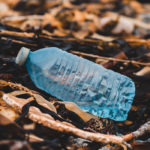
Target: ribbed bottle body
[68, 77]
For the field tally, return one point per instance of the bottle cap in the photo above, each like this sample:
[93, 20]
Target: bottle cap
[22, 56]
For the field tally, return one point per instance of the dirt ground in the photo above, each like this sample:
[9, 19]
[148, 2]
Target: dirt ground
[112, 33]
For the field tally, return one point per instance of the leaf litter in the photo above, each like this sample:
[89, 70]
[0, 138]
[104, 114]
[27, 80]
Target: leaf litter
[96, 30]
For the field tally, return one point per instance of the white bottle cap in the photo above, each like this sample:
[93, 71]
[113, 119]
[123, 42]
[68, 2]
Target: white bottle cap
[22, 56]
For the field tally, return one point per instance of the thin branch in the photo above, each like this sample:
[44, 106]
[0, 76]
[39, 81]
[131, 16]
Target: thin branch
[36, 115]
[143, 129]
[101, 43]
[139, 132]
[22, 18]
[110, 58]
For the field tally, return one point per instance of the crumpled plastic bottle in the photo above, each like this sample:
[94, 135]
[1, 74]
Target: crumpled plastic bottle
[93, 88]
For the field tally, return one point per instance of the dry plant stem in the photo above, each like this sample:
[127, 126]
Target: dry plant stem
[36, 115]
[21, 18]
[19, 42]
[109, 64]
[110, 58]
[30, 35]
[134, 42]
[144, 128]
[128, 137]
[139, 132]
[138, 42]
[40, 100]
[33, 138]
[13, 33]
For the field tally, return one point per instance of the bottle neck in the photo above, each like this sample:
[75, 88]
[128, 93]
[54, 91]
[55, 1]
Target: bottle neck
[22, 56]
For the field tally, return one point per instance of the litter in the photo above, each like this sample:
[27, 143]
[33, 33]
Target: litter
[93, 88]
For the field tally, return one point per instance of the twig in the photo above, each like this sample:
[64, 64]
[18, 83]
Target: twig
[22, 18]
[144, 128]
[36, 115]
[17, 34]
[40, 100]
[110, 58]
[101, 43]
[19, 42]
[139, 132]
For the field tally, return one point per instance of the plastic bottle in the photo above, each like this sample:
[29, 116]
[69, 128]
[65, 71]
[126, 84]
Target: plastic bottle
[93, 88]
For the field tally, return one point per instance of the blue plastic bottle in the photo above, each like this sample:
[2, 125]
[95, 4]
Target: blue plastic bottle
[68, 77]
